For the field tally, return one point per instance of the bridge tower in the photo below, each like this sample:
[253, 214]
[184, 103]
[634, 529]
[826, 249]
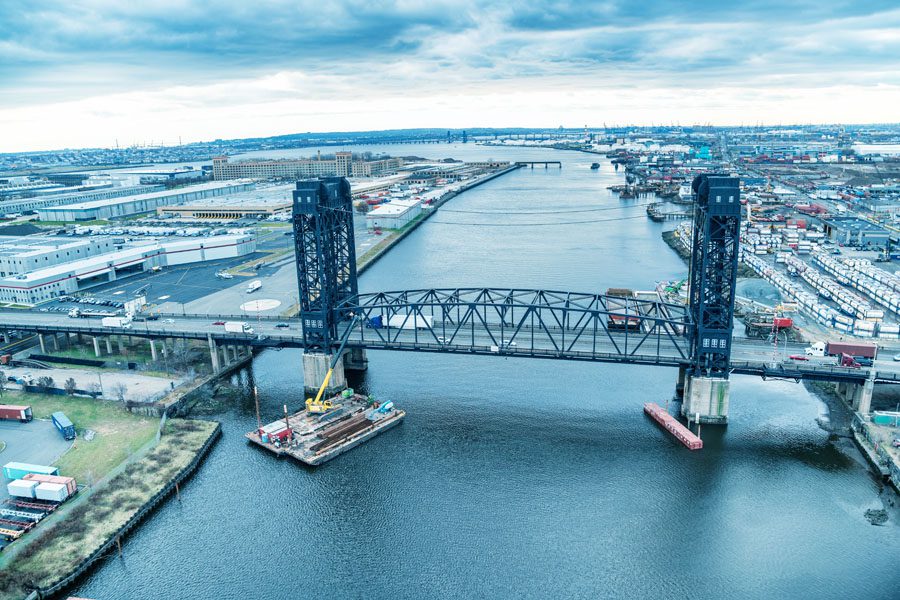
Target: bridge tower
[326, 273]
[713, 275]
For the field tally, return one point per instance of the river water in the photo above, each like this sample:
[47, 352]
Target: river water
[519, 478]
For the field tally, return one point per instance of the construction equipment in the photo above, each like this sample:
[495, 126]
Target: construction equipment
[318, 405]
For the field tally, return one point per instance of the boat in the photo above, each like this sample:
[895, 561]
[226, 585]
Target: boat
[595, 166]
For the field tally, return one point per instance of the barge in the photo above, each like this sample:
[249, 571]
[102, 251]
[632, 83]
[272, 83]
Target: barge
[315, 437]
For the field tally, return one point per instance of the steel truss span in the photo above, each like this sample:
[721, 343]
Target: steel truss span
[522, 322]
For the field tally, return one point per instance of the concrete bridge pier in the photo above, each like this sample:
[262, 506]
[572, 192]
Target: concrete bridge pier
[213, 353]
[96, 341]
[355, 360]
[706, 399]
[153, 350]
[315, 367]
[679, 383]
[858, 395]
[108, 346]
[42, 343]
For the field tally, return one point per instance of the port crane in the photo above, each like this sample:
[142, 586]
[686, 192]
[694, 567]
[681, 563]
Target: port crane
[318, 405]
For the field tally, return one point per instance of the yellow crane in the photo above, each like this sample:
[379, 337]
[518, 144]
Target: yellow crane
[318, 405]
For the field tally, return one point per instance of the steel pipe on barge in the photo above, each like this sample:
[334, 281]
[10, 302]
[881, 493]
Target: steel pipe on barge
[673, 426]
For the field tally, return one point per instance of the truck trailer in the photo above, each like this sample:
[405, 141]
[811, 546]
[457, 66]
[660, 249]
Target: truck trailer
[64, 425]
[12, 412]
[238, 327]
[855, 349]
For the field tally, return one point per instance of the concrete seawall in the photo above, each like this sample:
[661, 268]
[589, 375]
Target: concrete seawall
[116, 538]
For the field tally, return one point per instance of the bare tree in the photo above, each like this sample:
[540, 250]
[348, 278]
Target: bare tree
[70, 386]
[2, 382]
[45, 383]
[94, 389]
[119, 390]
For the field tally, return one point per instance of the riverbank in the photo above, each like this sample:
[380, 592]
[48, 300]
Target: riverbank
[394, 237]
[674, 242]
[60, 552]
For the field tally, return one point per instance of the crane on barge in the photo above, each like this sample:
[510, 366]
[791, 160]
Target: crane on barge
[318, 405]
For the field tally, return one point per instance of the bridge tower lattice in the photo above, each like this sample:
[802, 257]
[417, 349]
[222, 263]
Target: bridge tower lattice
[713, 272]
[326, 257]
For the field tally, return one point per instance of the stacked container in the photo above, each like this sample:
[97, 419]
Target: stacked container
[21, 488]
[69, 482]
[54, 492]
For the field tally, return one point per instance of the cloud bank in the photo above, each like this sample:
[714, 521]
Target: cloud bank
[89, 72]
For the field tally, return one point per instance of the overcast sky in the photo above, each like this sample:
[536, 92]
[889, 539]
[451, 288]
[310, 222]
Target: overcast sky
[76, 73]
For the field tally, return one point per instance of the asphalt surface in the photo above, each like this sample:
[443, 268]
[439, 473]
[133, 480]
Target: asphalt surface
[37, 442]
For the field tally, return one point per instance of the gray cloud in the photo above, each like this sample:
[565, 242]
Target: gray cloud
[58, 50]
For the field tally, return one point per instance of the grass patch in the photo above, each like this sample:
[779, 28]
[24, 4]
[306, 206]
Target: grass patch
[119, 432]
[57, 550]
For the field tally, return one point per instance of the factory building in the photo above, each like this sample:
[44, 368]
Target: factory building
[852, 231]
[47, 283]
[141, 203]
[24, 254]
[342, 165]
[25, 204]
[263, 201]
[393, 215]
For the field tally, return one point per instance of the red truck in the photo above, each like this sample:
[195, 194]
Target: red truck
[13, 412]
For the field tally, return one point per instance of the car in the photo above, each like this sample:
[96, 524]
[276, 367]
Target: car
[798, 357]
[508, 343]
[153, 317]
[897, 358]
[896, 443]
[218, 322]
[863, 361]
[442, 340]
[282, 326]
[169, 321]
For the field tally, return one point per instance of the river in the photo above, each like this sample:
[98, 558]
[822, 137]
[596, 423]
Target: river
[520, 478]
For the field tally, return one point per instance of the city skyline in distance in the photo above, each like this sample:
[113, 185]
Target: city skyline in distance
[93, 73]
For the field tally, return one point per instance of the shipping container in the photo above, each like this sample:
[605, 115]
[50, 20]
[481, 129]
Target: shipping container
[64, 425]
[21, 488]
[15, 412]
[55, 492]
[69, 482]
[17, 470]
[853, 349]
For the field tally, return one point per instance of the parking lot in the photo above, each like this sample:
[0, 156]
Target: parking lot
[37, 442]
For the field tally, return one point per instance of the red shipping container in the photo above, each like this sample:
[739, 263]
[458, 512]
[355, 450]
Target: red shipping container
[12, 411]
[783, 322]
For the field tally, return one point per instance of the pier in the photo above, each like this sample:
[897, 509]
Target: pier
[531, 163]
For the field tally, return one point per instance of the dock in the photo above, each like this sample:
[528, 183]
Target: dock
[670, 423]
[315, 438]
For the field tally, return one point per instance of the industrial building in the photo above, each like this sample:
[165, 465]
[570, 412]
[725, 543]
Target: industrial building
[50, 282]
[26, 204]
[852, 231]
[141, 203]
[262, 201]
[341, 165]
[24, 254]
[393, 215]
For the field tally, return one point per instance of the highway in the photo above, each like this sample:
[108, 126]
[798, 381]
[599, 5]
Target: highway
[753, 356]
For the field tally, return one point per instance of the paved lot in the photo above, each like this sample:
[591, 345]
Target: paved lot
[37, 442]
[278, 283]
[140, 388]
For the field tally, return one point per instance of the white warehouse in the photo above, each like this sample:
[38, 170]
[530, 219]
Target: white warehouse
[47, 283]
[132, 205]
[393, 215]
